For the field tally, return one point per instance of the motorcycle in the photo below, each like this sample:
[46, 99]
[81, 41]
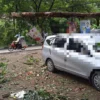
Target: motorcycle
[15, 46]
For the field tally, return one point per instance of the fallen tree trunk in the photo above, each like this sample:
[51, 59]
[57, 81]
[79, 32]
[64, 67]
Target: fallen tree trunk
[54, 14]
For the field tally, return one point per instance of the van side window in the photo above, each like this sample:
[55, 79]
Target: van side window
[77, 47]
[71, 44]
[74, 45]
[59, 42]
[84, 50]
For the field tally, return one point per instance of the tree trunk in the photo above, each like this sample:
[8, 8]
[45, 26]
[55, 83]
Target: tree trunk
[97, 19]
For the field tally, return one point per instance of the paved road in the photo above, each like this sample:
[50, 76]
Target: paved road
[27, 49]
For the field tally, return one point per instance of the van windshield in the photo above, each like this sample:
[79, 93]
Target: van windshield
[49, 40]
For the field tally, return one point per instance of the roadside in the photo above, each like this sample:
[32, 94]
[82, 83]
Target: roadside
[3, 51]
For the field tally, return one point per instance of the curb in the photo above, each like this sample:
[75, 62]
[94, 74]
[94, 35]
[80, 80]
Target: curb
[9, 52]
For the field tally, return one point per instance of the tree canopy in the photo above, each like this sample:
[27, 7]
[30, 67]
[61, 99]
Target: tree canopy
[9, 26]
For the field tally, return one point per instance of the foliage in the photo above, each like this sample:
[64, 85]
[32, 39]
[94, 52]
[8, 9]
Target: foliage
[37, 95]
[94, 26]
[58, 25]
[31, 60]
[9, 27]
[4, 33]
[43, 95]
[3, 67]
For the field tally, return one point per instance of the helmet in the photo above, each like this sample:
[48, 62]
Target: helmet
[17, 35]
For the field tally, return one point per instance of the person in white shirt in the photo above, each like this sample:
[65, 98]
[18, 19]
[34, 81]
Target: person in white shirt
[18, 42]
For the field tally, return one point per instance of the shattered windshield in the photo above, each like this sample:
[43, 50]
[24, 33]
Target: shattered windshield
[49, 40]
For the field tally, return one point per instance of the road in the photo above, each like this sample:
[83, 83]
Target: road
[27, 49]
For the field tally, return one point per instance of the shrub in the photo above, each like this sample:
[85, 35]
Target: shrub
[3, 67]
[37, 95]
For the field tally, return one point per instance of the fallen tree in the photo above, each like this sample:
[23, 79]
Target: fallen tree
[54, 14]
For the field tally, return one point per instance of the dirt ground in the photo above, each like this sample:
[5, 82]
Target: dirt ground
[25, 71]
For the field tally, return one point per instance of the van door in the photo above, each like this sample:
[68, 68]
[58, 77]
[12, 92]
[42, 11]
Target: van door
[76, 61]
[57, 52]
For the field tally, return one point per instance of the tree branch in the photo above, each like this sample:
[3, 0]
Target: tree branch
[48, 10]
[36, 6]
[51, 5]
[39, 5]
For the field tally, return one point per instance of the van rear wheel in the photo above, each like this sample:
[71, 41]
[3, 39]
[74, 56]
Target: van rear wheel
[50, 65]
[95, 79]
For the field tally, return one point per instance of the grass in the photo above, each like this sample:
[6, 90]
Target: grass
[43, 95]
[3, 67]
[31, 60]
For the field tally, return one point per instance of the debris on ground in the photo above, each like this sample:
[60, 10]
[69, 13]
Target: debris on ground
[26, 71]
[18, 95]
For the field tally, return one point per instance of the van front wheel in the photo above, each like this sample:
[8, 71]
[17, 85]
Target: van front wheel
[50, 65]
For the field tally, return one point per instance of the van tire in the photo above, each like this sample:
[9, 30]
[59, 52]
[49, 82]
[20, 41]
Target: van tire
[95, 79]
[50, 65]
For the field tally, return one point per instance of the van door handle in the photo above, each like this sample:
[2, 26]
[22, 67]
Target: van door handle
[67, 54]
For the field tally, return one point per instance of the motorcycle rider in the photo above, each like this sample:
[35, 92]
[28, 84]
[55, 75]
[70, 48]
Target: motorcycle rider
[18, 42]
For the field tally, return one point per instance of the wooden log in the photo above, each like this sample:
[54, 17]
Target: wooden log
[54, 14]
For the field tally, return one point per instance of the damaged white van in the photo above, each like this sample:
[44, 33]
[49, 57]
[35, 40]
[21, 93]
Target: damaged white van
[78, 54]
